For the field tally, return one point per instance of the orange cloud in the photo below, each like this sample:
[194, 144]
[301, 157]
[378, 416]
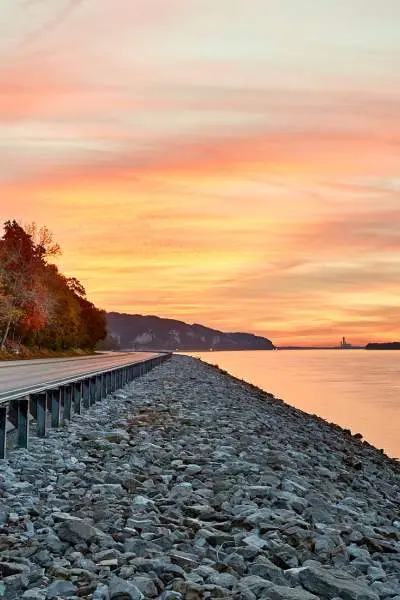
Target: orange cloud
[213, 182]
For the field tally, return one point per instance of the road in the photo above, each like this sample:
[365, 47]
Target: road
[23, 376]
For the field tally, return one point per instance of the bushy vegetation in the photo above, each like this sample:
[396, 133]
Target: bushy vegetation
[39, 306]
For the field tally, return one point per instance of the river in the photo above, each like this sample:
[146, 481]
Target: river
[357, 389]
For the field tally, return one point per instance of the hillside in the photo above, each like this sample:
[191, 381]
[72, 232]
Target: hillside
[150, 332]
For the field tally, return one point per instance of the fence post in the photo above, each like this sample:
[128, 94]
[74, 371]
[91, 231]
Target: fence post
[86, 393]
[92, 388]
[77, 387]
[41, 405]
[67, 394]
[55, 407]
[23, 423]
[3, 431]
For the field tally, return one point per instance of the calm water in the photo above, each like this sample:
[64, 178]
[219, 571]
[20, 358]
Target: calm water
[358, 389]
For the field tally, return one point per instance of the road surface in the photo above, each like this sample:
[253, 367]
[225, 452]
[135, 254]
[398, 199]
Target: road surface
[23, 376]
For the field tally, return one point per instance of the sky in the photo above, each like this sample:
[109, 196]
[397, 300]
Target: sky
[234, 163]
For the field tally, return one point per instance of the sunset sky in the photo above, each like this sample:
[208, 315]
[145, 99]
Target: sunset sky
[234, 163]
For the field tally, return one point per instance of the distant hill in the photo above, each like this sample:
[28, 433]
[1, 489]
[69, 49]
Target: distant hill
[384, 346]
[149, 332]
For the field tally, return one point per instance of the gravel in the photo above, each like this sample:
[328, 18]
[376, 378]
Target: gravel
[190, 484]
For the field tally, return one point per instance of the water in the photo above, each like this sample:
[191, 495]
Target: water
[357, 389]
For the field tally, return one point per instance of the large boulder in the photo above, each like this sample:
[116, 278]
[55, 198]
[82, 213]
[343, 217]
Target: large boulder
[282, 592]
[333, 582]
[74, 530]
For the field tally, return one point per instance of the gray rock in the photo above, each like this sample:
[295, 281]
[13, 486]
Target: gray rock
[54, 544]
[108, 489]
[101, 593]
[219, 491]
[184, 559]
[117, 436]
[255, 585]
[224, 580]
[124, 590]
[376, 574]
[285, 557]
[170, 595]
[60, 589]
[8, 569]
[260, 516]
[267, 570]
[237, 562]
[193, 469]
[278, 592]
[329, 583]
[146, 585]
[74, 530]
[255, 541]
[142, 501]
[34, 594]
[108, 554]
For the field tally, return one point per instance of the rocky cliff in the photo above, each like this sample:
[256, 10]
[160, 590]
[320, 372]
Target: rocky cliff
[149, 332]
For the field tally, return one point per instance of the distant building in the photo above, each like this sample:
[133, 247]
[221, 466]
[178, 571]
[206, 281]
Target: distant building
[344, 344]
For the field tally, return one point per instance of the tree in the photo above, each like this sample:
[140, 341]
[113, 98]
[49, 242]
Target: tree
[38, 304]
[18, 262]
[43, 240]
[76, 287]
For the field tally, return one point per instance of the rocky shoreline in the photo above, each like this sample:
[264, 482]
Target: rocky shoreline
[190, 484]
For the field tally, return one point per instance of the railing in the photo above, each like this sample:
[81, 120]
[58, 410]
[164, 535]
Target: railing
[61, 398]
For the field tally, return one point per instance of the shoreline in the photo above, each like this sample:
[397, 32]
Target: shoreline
[191, 484]
[357, 437]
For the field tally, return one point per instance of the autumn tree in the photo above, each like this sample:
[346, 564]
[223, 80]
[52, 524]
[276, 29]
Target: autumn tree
[19, 264]
[38, 304]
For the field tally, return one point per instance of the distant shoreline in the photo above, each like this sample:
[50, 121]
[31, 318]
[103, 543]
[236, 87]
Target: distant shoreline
[383, 346]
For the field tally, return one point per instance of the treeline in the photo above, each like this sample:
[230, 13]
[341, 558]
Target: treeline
[383, 346]
[39, 306]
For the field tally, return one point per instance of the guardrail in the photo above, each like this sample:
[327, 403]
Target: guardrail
[61, 398]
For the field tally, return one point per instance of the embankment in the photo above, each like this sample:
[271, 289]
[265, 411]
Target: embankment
[190, 484]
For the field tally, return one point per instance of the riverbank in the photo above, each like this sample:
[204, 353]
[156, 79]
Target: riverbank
[358, 390]
[190, 484]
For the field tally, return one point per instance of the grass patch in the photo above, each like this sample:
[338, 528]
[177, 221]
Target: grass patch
[25, 353]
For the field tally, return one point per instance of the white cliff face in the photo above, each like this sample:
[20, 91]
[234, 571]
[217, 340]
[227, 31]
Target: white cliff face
[175, 335]
[144, 338]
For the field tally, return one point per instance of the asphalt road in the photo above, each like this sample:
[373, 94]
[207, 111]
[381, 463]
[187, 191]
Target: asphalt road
[24, 375]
